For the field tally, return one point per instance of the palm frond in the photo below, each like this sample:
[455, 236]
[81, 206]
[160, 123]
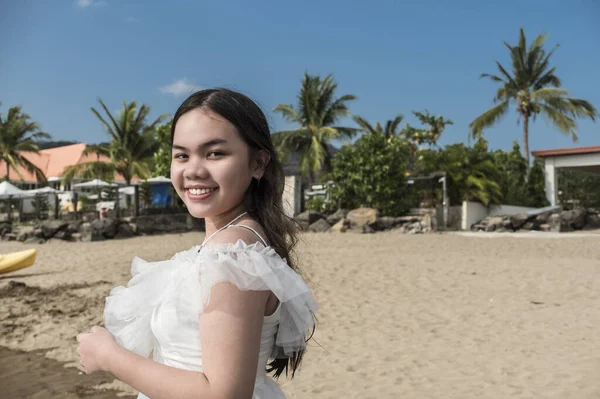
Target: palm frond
[562, 122]
[488, 118]
[288, 112]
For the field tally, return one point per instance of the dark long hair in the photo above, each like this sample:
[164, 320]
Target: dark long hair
[263, 199]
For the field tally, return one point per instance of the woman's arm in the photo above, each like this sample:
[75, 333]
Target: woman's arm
[230, 330]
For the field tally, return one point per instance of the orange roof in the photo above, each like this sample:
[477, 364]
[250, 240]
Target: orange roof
[53, 162]
[566, 151]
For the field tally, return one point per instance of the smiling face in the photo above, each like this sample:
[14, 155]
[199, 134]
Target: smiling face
[210, 165]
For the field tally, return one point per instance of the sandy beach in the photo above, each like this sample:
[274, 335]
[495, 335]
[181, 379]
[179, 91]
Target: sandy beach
[401, 316]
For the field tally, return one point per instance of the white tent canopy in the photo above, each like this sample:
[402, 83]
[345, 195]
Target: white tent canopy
[8, 190]
[44, 190]
[94, 183]
[159, 179]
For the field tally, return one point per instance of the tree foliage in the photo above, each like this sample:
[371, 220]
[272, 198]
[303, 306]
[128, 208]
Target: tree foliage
[162, 157]
[471, 172]
[19, 134]
[371, 172]
[533, 88]
[131, 148]
[317, 112]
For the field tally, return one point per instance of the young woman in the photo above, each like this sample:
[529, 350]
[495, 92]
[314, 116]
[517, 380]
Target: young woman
[214, 315]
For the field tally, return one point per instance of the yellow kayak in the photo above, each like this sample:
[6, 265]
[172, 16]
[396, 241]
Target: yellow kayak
[17, 260]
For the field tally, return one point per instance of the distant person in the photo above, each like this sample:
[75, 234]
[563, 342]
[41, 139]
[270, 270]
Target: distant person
[220, 316]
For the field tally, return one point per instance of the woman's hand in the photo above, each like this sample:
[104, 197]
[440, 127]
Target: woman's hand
[96, 349]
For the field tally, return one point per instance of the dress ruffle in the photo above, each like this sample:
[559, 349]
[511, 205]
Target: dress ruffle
[258, 268]
[128, 311]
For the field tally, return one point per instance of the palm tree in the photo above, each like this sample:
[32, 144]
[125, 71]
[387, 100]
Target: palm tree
[535, 89]
[130, 150]
[19, 134]
[317, 112]
[389, 130]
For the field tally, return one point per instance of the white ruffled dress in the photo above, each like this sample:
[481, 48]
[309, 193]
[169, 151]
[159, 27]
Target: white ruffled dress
[158, 310]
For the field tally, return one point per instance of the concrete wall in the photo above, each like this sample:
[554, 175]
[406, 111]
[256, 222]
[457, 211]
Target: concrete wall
[292, 195]
[472, 212]
[502, 210]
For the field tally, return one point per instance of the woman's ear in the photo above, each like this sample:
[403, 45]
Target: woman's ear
[261, 161]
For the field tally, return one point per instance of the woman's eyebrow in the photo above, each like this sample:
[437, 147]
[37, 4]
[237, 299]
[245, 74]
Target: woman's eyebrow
[202, 146]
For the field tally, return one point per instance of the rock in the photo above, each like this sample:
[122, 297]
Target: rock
[76, 236]
[74, 227]
[320, 226]
[124, 231]
[415, 228]
[382, 223]
[106, 228]
[406, 219]
[337, 216]
[592, 221]
[545, 227]
[10, 236]
[575, 219]
[85, 228]
[361, 216]
[528, 226]
[340, 226]
[490, 227]
[478, 227]
[401, 228]
[542, 218]
[579, 218]
[25, 233]
[63, 235]
[518, 220]
[554, 223]
[507, 224]
[558, 224]
[308, 217]
[38, 233]
[501, 230]
[51, 227]
[367, 229]
[496, 221]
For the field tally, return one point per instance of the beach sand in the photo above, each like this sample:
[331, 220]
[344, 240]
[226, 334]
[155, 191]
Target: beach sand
[401, 316]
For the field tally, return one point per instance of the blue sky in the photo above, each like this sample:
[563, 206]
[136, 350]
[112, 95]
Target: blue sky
[57, 57]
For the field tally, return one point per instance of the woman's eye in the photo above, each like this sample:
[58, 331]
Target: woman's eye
[179, 156]
[214, 154]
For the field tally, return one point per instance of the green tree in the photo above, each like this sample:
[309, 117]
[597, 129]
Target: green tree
[371, 172]
[536, 186]
[317, 112]
[535, 89]
[390, 129]
[162, 157]
[512, 168]
[18, 134]
[471, 172]
[132, 145]
[430, 134]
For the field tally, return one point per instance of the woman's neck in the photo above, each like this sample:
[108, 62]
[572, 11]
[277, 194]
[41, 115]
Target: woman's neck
[214, 223]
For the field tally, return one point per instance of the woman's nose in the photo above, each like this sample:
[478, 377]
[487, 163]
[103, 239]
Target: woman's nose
[195, 169]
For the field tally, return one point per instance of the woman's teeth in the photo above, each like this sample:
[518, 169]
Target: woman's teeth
[200, 191]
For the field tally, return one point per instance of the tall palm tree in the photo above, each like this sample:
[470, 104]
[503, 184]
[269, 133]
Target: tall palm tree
[19, 134]
[132, 145]
[389, 130]
[317, 112]
[534, 89]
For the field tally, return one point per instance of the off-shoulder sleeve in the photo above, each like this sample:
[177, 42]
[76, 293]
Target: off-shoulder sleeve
[128, 310]
[258, 268]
